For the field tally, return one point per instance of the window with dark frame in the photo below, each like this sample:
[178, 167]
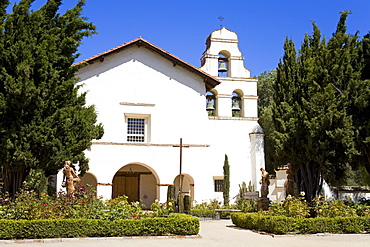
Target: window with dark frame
[219, 184]
[136, 130]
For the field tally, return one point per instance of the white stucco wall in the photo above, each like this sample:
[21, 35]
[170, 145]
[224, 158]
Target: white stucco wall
[138, 82]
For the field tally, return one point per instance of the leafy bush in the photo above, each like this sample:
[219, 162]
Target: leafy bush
[247, 205]
[283, 224]
[291, 207]
[363, 211]
[178, 224]
[28, 205]
[161, 210]
[333, 208]
[267, 223]
[206, 210]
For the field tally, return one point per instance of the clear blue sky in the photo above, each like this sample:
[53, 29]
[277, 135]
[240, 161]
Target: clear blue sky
[181, 27]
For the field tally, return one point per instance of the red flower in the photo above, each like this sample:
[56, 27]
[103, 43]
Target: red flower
[82, 188]
[83, 202]
[44, 204]
[134, 215]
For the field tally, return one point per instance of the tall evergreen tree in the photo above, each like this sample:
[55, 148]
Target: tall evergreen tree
[226, 184]
[313, 129]
[265, 93]
[360, 106]
[43, 118]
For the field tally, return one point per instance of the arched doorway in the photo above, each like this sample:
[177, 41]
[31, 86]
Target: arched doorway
[187, 187]
[89, 182]
[138, 182]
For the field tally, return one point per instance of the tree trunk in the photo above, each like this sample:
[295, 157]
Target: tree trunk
[309, 180]
[14, 178]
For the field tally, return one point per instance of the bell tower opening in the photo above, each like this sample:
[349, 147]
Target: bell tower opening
[222, 56]
[223, 64]
[236, 104]
[211, 102]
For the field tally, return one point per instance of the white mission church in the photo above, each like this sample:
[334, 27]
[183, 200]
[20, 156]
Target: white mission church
[148, 99]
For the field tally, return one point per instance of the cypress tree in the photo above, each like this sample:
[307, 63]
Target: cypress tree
[265, 99]
[360, 107]
[226, 184]
[43, 119]
[313, 129]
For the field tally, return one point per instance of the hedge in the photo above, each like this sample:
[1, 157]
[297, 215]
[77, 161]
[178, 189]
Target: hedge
[283, 225]
[177, 224]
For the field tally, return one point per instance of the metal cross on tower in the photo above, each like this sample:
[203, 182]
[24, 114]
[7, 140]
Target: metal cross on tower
[221, 18]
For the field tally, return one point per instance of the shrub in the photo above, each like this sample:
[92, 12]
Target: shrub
[363, 211]
[247, 205]
[203, 212]
[161, 210]
[291, 207]
[206, 210]
[120, 208]
[177, 224]
[257, 221]
[28, 205]
[333, 208]
[283, 224]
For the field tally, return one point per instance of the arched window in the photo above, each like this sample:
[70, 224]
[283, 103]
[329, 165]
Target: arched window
[236, 104]
[211, 103]
[223, 64]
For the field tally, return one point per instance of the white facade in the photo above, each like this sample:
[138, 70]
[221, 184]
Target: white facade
[138, 85]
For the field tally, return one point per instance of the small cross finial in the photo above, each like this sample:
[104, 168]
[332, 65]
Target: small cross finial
[221, 18]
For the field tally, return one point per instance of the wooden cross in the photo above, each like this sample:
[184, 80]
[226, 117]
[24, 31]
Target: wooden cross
[221, 18]
[181, 146]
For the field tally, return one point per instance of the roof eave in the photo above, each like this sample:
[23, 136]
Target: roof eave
[209, 80]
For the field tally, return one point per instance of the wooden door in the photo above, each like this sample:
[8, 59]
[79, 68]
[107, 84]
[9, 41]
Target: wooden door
[132, 188]
[126, 185]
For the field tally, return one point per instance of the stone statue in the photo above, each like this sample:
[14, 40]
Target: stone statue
[70, 178]
[289, 183]
[265, 182]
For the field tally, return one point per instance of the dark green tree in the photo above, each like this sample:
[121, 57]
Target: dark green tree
[43, 119]
[313, 129]
[226, 184]
[265, 93]
[360, 107]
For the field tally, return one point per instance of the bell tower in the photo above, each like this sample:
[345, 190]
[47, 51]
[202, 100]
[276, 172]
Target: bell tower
[232, 107]
[236, 97]
[222, 57]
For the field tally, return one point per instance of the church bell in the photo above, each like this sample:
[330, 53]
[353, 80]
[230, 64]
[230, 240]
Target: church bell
[222, 67]
[235, 106]
[209, 106]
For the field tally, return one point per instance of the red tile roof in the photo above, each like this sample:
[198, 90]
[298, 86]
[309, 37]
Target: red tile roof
[209, 80]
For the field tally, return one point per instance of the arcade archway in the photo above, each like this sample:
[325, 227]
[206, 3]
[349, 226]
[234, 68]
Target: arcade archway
[138, 182]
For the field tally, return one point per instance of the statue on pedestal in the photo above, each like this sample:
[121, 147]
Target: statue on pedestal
[289, 183]
[70, 178]
[265, 182]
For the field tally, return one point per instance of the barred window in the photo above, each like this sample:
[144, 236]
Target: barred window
[135, 130]
[219, 184]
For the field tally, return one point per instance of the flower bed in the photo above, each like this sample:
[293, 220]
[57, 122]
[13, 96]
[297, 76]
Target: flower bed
[30, 215]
